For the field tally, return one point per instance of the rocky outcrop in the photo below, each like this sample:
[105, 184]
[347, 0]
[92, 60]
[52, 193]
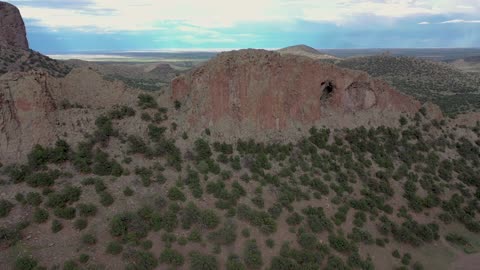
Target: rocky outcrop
[12, 27]
[33, 108]
[256, 93]
[26, 108]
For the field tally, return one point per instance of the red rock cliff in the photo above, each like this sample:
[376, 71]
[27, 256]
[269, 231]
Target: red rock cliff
[12, 27]
[249, 92]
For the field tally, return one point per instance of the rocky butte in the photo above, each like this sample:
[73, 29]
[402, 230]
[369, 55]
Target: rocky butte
[12, 27]
[261, 93]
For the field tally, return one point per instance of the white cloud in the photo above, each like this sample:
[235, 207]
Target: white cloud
[424, 23]
[128, 15]
[460, 21]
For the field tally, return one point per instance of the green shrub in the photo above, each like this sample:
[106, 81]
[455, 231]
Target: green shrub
[307, 240]
[84, 258]
[177, 104]
[171, 257]
[199, 261]
[87, 209]
[128, 226]
[136, 145]
[128, 192]
[25, 263]
[106, 199]
[104, 166]
[202, 150]
[146, 101]
[80, 224]
[252, 256]
[56, 226]
[33, 198]
[335, 263]
[42, 179]
[140, 260]
[294, 219]
[175, 194]
[18, 173]
[147, 244]
[225, 235]
[190, 216]
[121, 112]
[209, 219]
[5, 208]
[156, 133]
[83, 157]
[65, 212]
[104, 129]
[89, 239]
[340, 243]
[67, 196]
[38, 157]
[257, 218]
[40, 215]
[270, 243]
[19, 197]
[195, 236]
[60, 153]
[146, 117]
[406, 259]
[234, 263]
[114, 248]
[246, 232]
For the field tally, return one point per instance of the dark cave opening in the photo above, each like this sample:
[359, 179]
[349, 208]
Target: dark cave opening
[328, 88]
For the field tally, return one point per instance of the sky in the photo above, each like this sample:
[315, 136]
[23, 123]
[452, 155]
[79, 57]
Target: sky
[56, 26]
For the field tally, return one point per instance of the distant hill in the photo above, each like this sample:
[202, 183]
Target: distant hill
[307, 51]
[453, 90]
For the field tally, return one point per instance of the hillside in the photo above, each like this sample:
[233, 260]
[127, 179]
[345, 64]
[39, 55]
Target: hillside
[304, 50]
[14, 59]
[149, 77]
[453, 90]
[363, 198]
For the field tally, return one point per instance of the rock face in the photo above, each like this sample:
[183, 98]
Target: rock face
[256, 93]
[26, 113]
[31, 108]
[12, 27]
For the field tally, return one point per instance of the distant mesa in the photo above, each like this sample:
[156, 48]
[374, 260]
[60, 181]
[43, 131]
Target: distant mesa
[304, 50]
[12, 27]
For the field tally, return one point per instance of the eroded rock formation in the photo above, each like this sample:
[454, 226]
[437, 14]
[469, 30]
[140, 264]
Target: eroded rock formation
[12, 27]
[257, 92]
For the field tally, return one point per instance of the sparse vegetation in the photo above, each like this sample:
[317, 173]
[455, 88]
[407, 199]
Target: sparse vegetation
[317, 203]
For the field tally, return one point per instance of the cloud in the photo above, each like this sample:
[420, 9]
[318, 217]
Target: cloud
[71, 4]
[460, 21]
[424, 23]
[139, 15]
